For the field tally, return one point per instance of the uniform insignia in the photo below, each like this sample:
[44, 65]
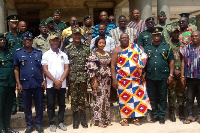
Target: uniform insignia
[156, 29]
[11, 44]
[22, 63]
[14, 17]
[36, 55]
[3, 63]
[23, 56]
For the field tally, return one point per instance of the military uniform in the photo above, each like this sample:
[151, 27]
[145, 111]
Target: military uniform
[41, 43]
[88, 33]
[7, 88]
[56, 32]
[166, 31]
[144, 38]
[157, 73]
[60, 25]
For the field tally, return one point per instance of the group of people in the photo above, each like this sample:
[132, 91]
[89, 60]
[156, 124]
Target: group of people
[144, 62]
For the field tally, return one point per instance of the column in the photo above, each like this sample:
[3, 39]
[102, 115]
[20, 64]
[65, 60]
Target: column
[163, 5]
[198, 22]
[91, 14]
[144, 6]
[2, 20]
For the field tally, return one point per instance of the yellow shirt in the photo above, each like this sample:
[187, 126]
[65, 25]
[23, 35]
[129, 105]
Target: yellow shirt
[68, 31]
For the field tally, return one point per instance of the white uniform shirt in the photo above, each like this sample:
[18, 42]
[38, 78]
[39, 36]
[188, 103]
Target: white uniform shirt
[55, 64]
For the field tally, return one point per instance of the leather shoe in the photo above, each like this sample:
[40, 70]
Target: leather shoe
[14, 111]
[9, 130]
[2, 131]
[39, 129]
[162, 121]
[29, 130]
[21, 109]
[153, 120]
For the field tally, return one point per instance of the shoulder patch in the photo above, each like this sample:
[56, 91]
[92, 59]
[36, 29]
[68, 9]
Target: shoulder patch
[68, 46]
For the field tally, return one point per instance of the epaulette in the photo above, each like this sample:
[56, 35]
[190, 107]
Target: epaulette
[19, 49]
[68, 46]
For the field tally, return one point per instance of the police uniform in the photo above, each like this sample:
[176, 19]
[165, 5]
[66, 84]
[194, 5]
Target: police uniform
[77, 78]
[61, 25]
[40, 42]
[30, 77]
[7, 88]
[157, 73]
[13, 43]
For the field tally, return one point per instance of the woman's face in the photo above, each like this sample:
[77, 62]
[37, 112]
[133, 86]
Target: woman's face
[101, 44]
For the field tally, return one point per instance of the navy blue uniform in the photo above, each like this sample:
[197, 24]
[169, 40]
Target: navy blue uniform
[30, 75]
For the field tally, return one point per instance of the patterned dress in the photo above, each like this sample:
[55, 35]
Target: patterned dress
[99, 66]
[132, 94]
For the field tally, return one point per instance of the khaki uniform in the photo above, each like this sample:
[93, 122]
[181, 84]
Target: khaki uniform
[41, 43]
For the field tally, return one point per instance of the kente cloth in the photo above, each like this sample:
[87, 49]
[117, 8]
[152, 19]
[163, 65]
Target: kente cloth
[132, 94]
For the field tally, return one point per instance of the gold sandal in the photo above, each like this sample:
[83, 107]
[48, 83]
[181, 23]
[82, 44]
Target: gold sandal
[124, 122]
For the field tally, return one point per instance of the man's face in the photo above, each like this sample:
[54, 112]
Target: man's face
[56, 17]
[27, 42]
[111, 19]
[175, 35]
[22, 27]
[73, 19]
[150, 24]
[136, 14]
[102, 29]
[76, 37]
[88, 22]
[13, 24]
[2, 42]
[43, 29]
[122, 22]
[162, 18]
[156, 37]
[183, 22]
[50, 25]
[103, 16]
[54, 43]
[124, 40]
[195, 37]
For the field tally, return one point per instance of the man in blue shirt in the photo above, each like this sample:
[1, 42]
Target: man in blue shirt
[29, 79]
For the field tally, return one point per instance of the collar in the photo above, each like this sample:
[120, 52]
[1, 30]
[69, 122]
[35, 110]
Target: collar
[51, 51]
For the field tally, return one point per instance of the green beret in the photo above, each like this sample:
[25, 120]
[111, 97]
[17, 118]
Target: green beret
[76, 30]
[174, 29]
[156, 30]
[12, 18]
[49, 19]
[185, 15]
[42, 23]
[2, 35]
[161, 13]
[86, 17]
[149, 19]
[56, 11]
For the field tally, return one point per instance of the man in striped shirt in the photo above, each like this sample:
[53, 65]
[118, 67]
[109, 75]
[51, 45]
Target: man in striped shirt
[190, 75]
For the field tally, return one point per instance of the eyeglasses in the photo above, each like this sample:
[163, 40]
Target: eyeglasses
[150, 22]
[180, 22]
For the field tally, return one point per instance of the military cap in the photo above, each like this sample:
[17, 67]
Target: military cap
[12, 18]
[2, 35]
[74, 23]
[149, 19]
[86, 17]
[49, 19]
[156, 30]
[185, 15]
[52, 37]
[174, 29]
[42, 23]
[27, 34]
[56, 11]
[76, 30]
[161, 13]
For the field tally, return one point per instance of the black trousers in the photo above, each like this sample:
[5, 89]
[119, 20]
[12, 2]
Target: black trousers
[52, 94]
[193, 90]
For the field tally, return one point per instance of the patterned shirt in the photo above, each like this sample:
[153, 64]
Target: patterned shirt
[139, 28]
[109, 27]
[115, 34]
[192, 61]
[185, 36]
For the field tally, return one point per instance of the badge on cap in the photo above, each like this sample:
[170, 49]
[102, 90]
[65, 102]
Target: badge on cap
[3, 63]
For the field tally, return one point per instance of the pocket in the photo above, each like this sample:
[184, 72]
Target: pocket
[22, 61]
[11, 42]
[38, 61]
[146, 40]
[24, 78]
[2, 75]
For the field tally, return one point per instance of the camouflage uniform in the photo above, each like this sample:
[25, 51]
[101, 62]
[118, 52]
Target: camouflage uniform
[176, 90]
[56, 32]
[41, 43]
[88, 33]
[77, 75]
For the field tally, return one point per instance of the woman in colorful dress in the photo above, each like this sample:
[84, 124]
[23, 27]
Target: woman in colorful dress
[98, 68]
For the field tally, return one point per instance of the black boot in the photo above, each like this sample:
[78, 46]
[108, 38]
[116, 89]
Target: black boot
[172, 114]
[181, 113]
[83, 119]
[75, 120]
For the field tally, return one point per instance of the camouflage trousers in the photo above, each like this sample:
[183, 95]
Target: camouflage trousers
[78, 95]
[176, 92]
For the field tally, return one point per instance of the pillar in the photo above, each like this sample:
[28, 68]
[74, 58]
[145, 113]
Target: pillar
[144, 6]
[198, 22]
[2, 20]
[163, 5]
[91, 14]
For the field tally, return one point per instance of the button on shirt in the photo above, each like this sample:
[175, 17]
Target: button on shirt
[30, 71]
[55, 62]
[109, 45]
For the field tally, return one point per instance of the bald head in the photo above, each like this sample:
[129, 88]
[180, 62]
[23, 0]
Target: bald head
[22, 26]
[124, 40]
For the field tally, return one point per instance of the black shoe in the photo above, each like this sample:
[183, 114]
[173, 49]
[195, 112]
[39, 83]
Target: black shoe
[21, 109]
[83, 119]
[162, 121]
[39, 129]
[153, 120]
[9, 130]
[29, 130]
[172, 114]
[2, 131]
[181, 113]
[14, 111]
[75, 120]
